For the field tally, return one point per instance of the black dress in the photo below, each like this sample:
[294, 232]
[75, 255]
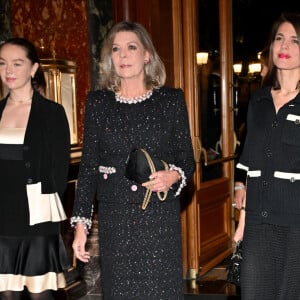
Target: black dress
[31, 256]
[140, 250]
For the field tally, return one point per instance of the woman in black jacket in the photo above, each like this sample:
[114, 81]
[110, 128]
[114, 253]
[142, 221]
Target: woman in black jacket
[140, 248]
[271, 157]
[34, 160]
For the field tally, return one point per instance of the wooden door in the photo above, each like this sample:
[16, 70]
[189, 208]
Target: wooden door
[207, 219]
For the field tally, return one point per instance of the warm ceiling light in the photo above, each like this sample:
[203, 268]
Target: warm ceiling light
[254, 68]
[237, 68]
[202, 58]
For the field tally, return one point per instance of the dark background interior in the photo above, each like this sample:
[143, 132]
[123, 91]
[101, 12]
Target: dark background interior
[252, 21]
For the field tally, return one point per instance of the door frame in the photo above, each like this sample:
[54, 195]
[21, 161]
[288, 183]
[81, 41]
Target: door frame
[201, 255]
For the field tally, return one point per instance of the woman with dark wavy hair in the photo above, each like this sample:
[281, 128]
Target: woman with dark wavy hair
[271, 157]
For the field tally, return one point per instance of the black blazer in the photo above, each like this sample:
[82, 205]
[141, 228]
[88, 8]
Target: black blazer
[46, 148]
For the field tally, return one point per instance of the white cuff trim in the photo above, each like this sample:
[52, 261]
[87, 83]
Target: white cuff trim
[241, 166]
[183, 178]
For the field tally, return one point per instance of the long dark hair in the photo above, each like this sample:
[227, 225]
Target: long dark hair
[266, 61]
[292, 18]
[38, 82]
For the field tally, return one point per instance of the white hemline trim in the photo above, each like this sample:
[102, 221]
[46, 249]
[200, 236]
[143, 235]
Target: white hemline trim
[34, 284]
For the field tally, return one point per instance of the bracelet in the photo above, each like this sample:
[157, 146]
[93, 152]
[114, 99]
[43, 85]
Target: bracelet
[239, 187]
[182, 177]
[87, 223]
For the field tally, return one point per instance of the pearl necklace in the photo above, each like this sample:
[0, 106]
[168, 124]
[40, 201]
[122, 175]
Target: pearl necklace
[133, 100]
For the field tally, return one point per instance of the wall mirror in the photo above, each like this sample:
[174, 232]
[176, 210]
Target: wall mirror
[60, 77]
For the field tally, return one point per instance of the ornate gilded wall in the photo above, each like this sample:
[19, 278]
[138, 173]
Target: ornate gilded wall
[73, 29]
[62, 25]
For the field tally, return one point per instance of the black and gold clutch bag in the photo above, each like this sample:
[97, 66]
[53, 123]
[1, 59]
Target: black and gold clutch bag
[139, 166]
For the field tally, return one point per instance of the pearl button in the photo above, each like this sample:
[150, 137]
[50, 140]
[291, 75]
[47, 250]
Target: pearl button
[134, 187]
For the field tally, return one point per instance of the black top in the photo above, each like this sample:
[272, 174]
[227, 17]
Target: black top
[46, 148]
[113, 129]
[272, 145]
[43, 157]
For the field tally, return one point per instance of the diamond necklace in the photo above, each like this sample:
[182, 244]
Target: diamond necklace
[133, 100]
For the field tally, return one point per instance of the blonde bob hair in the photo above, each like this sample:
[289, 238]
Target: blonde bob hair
[154, 70]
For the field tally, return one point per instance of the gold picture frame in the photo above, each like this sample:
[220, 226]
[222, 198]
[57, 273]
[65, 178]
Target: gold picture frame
[60, 75]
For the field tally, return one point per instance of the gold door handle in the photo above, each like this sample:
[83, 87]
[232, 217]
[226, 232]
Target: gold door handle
[202, 152]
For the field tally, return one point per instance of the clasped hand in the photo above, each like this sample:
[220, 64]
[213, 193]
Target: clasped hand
[161, 181]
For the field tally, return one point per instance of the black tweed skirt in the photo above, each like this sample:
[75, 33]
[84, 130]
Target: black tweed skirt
[271, 267]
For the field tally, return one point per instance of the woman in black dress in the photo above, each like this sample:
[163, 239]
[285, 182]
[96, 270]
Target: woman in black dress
[140, 249]
[271, 156]
[34, 160]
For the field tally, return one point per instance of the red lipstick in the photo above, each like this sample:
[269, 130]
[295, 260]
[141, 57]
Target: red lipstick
[283, 55]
